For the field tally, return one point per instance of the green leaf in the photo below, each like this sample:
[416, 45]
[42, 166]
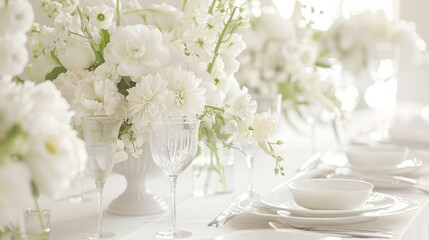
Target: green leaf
[125, 84]
[289, 91]
[324, 53]
[56, 59]
[317, 35]
[322, 64]
[55, 72]
[105, 39]
[15, 139]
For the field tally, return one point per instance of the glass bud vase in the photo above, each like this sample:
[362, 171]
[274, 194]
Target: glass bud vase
[37, 224]
[213, 172]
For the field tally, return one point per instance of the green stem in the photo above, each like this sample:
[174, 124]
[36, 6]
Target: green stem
[118, 17]
[212, 7]
[219, 42]
[184, 5]
[137, 11]
[39, 212]
[214, 108]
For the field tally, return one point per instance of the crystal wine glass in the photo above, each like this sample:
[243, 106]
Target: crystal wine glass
[264, 104]
[100, 134]
[173, 145]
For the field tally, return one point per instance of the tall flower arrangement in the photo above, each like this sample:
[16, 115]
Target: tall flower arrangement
[112, 57]
[350, 38]
[39, 151]
[283, 57]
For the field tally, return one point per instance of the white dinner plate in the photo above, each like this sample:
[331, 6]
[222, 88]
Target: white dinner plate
[283, 200]
[260, 209]
[271, 234]
[406, 167]
[257, 208]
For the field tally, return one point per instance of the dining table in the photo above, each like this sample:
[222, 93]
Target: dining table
[71, 220]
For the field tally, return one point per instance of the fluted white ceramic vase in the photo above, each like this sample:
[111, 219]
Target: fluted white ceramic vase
[137, 200]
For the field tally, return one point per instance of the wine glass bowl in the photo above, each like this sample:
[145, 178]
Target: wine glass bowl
[173, 145]
[100, 134]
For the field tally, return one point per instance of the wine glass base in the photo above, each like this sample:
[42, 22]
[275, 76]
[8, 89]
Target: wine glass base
[172, 235]
[104, 235]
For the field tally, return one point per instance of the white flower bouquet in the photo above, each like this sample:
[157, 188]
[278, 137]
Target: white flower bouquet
[350, 39]
[40, 153]
[283, 57]
[112, 57]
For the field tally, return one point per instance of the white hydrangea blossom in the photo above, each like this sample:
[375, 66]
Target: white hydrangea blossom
[15, 16]
[13, 52]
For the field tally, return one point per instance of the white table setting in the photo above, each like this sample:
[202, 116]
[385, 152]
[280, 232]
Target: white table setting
[395, 207]
[209, 120]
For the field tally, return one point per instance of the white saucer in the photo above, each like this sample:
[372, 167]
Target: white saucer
[406, 167]
[257, 208]
[283, 200]
[271, 234]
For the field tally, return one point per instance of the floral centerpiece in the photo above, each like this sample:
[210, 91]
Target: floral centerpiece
[284, 57]
[112, 57]
[39, 151]
[369, 47]
[350, 38]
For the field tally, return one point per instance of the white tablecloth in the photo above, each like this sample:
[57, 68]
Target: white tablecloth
[72, 220]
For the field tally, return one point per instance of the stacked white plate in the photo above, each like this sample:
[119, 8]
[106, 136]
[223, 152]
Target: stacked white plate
[281, 205]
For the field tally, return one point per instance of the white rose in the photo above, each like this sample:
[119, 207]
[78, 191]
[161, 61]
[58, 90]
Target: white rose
[16, 17]
[98, 96]
[135, 48]
[76, 55]
[15, 192]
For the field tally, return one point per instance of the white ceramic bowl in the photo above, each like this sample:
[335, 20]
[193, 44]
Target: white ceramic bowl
[330, 194]
[376, 156]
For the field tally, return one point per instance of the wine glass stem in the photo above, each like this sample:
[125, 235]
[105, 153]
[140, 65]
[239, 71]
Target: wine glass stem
[100, 186]
[249, 162]
[173, 180]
